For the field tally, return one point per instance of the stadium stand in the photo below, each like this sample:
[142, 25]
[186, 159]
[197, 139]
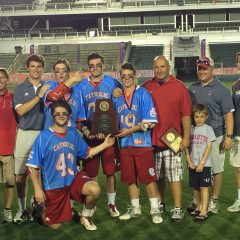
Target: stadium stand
[142, 56]
[225, 57]
[6, 59]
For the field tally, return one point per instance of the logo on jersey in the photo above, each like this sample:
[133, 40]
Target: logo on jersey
[210, 92]
[151, 172]
[237, 92]
[153, 112]
[26, 94]
[138, 141]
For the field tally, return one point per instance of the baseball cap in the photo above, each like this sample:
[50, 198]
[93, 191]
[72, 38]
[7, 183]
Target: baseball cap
[205, 63]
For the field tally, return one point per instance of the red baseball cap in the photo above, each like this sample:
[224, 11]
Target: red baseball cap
[205, 63]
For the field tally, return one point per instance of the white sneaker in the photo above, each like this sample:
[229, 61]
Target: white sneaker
[88, 223]
[7, 215]
[132, 212]
[112, 210]
[235, 207]
[20, 217]
[156, 215]
[177, 215]
[213, 206]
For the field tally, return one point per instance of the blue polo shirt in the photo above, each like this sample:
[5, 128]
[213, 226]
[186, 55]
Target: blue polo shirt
[217, 98]
[236, 102]
[34, 119]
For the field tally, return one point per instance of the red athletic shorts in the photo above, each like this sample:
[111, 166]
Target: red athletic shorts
[137, 165]
[108, 160]
[57, 205]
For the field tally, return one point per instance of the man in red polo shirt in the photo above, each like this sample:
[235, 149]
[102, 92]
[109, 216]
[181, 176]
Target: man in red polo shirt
[7, 142]
[173, 105]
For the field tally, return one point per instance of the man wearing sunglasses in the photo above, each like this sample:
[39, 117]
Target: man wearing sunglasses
[99, 86]
[212, 93]
[61, 89]
[55, 162]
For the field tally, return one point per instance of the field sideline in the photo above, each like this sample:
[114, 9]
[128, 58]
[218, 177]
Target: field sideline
[223, 225]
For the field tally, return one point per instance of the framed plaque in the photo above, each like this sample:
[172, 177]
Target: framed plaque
[104, 118]
[173, 139]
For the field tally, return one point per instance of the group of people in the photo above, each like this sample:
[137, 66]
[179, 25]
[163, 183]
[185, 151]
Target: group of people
[63, 164]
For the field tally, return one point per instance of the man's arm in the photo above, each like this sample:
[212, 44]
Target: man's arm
[108, 142]
[58, 92]
[28, 106]
[186, 123]
[39, 194]
[229, 123]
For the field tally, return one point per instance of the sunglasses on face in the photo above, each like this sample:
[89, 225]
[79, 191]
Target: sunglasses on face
[205, 62]
[95, 66]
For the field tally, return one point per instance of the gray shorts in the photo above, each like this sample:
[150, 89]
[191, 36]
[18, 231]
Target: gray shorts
[24, 142]
[218, 156]
[7, 170]
[235, 153]
[169, 165]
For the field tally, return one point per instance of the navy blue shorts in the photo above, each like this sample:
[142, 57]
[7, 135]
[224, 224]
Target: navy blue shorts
[202, 179]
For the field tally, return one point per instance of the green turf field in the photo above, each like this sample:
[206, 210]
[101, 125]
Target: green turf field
[223, 225]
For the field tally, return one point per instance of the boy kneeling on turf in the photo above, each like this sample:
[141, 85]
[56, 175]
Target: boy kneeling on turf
[54, 157]
[199, 160]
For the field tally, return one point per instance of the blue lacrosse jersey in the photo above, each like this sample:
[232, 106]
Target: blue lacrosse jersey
[75, 101]
[92, 92]
[140, 109]
[56, 157]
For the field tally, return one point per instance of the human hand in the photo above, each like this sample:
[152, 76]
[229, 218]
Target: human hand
[117, 92]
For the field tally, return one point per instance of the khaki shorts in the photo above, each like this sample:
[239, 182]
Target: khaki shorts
[218, 156]
[24, 142]
[235, 153]
[7, 170]
[169, 165]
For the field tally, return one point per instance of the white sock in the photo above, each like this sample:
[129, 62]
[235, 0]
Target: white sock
[87, 212]
[135, 202]
[22, 203]
[111, 198]
[153, 202]
[239, 194]
[72, 203]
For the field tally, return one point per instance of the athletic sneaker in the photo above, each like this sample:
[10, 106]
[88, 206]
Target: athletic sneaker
[156, 215]
[235, 207]
[20, 217]
[132, 212]
[7, 215]
[213, 206]
[112, 210]
[162, 207]
[88, 223]
[192, 206]
[177, 215]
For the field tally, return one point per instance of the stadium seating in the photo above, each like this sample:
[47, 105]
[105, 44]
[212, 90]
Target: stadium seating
[142, 56]
[224, 54]
[15, 2]
[6, 59]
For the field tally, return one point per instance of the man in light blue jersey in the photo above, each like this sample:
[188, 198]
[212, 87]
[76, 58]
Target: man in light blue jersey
[54, 158]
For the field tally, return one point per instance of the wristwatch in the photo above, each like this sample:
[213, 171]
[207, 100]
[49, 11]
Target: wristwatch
[230, 136]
